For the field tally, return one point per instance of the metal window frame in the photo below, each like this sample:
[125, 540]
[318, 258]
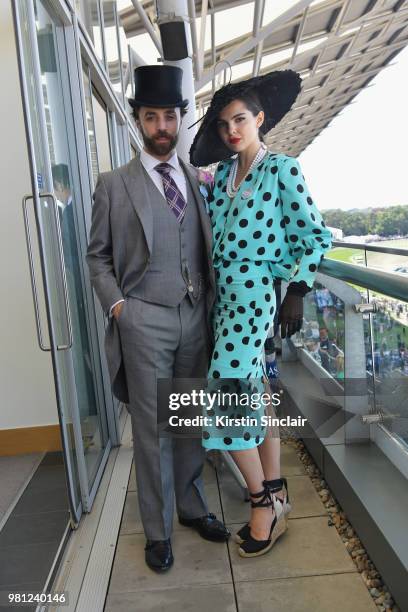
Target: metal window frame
[122, 79]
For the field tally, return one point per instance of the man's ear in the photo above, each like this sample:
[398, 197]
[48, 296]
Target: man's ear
[139, 126]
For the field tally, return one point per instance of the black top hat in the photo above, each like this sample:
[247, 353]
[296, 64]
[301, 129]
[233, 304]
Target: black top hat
[158, 86]
[276, 92]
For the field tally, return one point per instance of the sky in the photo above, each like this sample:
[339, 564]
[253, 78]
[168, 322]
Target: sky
[360, 159]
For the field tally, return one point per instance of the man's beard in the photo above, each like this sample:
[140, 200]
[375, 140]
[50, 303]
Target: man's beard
[159, 148]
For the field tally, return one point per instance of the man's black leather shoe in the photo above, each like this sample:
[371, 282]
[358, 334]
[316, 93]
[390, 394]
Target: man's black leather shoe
[208, 527]
[158, 555]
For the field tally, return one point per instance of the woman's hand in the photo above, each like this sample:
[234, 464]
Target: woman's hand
[290, 315]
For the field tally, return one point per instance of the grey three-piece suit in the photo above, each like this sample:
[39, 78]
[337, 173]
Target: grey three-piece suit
[139, 251]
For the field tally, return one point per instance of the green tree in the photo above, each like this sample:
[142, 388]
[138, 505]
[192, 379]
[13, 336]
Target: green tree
[383, 221]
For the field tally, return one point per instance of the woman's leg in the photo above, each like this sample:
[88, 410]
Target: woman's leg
[250, 466]
[241, 320]
[269, 450]
[269, 453]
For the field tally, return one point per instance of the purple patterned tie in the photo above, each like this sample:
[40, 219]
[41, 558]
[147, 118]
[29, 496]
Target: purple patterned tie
[174, 197]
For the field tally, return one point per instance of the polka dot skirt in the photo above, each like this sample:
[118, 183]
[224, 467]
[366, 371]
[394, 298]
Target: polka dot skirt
[243, 312]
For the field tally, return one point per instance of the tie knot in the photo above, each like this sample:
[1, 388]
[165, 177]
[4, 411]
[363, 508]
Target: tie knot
[163, 168]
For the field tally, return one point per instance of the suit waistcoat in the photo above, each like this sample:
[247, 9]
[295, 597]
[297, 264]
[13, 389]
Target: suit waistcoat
[177, 264]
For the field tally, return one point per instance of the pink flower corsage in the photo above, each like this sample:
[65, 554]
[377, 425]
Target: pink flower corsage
[206, 185]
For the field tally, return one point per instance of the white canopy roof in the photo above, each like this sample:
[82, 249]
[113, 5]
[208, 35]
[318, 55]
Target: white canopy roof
[338, 47]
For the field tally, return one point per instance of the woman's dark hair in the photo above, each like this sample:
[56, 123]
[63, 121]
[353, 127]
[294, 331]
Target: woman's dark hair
[253, 104]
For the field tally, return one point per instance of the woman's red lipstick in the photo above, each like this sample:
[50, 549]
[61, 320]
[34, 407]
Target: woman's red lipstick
[234, 140]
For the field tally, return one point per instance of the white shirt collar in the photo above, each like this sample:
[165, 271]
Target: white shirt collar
[149, 162]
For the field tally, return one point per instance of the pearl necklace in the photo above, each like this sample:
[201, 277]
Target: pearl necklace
[231, 189]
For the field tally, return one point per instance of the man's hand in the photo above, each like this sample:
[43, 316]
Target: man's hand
[291, 315]
[117, 310]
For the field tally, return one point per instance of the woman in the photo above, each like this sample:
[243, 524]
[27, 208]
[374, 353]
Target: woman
[265, 226]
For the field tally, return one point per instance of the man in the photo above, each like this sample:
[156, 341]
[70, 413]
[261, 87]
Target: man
[150, 263]
[82, 356]
[328, 350]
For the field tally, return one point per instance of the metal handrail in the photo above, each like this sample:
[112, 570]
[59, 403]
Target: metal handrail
[370, 247]
[387, 283]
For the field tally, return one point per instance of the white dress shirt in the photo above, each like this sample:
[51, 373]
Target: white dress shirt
[176, 173]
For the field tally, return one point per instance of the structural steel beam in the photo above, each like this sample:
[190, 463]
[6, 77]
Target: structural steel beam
[147, 24]
[251, 41]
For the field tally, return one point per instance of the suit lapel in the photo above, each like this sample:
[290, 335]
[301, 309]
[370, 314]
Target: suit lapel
[204, 218]
[135, 184]
[206, 227]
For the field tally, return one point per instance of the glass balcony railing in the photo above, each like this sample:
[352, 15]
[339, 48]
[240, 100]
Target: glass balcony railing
[323, 330]
[355, 333]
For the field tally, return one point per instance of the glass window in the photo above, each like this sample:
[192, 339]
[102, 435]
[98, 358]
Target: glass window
[89, 14]
[124, 53]
[59, 173]
[90, 123]
[388, 363]
[97, 127]
[101, 128]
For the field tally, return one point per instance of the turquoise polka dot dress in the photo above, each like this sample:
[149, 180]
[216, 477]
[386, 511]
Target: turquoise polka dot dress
[270, 229]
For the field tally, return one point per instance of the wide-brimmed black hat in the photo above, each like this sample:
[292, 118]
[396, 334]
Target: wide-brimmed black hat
[158, 86]
[276, 92]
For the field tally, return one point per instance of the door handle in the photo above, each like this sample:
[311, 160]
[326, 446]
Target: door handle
[61, 261]
[32, 274]
[63, 347]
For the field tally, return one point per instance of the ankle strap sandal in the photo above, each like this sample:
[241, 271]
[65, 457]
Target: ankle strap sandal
[250, 547]
[265, 502]
[281, 507]
[275, 485]
[280, 484]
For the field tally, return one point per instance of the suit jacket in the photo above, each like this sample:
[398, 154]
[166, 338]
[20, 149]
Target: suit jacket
[120, 247]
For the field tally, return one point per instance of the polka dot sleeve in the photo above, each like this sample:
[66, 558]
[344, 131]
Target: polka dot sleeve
[307, 235]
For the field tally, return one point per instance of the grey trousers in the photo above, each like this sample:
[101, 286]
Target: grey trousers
[163, 342]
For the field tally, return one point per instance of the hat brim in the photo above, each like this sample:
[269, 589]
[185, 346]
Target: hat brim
[277, 91]
[137, 103]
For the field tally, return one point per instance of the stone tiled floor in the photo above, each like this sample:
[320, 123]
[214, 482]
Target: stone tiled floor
[308, 570]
